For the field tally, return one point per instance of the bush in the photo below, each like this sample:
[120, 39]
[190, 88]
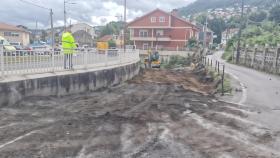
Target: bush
[176, 61]
[112, 44]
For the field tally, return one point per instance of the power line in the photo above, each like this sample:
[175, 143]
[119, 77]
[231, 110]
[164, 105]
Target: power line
[34, 4]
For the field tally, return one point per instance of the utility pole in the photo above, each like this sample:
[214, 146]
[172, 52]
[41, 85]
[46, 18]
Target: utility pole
[51, 14]
[124, 28]
[36, 31]
[64, 11]
[51, 17]
[239, 33]
[205, 33]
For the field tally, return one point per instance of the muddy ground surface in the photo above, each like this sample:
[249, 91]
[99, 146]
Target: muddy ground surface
[156, 115]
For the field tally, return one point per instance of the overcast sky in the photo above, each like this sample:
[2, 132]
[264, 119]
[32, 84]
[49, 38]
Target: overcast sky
[94, 12]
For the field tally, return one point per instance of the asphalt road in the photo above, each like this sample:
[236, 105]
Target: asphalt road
[260, 91]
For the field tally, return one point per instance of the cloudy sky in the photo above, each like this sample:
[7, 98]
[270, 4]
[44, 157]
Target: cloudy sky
[94, 12]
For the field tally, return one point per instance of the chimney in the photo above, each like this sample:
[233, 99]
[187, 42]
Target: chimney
[174, 12]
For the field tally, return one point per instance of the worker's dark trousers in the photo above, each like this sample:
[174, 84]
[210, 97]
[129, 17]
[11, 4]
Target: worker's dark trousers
[68, 63]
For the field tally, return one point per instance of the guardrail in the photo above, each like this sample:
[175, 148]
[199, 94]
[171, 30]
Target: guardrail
[21, 62]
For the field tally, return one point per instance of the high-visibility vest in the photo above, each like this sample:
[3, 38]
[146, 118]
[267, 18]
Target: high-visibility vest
[68, 43]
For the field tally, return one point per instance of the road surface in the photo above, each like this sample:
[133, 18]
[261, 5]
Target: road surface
[260, 91]
[156, 115]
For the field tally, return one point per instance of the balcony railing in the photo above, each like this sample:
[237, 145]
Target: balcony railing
[149, 38]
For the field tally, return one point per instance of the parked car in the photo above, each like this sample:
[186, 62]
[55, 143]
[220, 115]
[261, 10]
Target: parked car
[17, 45]
[41, 49]
[19, 48]
[8, 48]
[209, 52]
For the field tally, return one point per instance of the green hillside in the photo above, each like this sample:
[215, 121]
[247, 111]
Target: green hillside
[203, 5]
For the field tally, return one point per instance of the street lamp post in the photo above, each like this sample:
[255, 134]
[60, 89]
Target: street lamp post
[64, 12]
[51, 17]
[124, 28]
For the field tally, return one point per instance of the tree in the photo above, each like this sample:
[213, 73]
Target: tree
[258, 16]
[192, 42]
[112, 44]
[275, 14]
[233, 22]
[201, 19]
[217, 25]
[112, 28]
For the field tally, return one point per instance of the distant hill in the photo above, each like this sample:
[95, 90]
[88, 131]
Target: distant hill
[203, 5]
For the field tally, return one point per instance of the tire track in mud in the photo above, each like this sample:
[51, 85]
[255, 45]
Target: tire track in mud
[140, 119]
[216, 130]
[126, 115]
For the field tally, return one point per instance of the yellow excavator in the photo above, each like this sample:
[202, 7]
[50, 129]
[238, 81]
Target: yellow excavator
[153, 60]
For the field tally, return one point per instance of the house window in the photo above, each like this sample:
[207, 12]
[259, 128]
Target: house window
[145, 46]
[7, 34]
[143, 33]
[162, 19]
[153, 19]
[159, 33]
[14, 34]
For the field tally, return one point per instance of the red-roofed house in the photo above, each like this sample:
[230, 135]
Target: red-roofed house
[14, 34]
[106, 38]
[161, 30]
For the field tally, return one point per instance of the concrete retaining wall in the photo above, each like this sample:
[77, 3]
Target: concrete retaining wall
[59, 85]
[261, 58]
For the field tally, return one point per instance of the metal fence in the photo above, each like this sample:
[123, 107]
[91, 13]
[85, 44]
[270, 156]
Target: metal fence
[21, 62]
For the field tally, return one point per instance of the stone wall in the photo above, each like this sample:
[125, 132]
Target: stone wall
[59, 85]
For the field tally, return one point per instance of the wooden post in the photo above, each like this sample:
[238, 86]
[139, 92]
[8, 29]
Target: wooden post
[246, 55]
[233, 55]
[254, 56]
[264, 56]
[223, 80]
[218, 68]
[275, 61]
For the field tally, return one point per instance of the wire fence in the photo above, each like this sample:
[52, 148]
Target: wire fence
[216, 66]
[21, 62]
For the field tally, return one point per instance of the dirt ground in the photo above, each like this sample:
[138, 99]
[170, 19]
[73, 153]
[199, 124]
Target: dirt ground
[160, 114]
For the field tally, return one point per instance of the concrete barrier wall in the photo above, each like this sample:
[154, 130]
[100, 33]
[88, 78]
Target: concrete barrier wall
[261, 58]
[59, 85]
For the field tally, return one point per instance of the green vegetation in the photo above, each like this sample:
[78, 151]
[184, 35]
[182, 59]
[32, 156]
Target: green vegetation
[112, 44]
[260, 31]
[217, 25]
[203, 5]
[176, 61]
[192, 43]
[258, 16]
[217, 77]
[227, 85]
[229, 50]
[112, 28]
[265, 33]
[274, 14]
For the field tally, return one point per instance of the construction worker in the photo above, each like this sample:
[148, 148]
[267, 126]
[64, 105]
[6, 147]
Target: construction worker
[68, 46]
